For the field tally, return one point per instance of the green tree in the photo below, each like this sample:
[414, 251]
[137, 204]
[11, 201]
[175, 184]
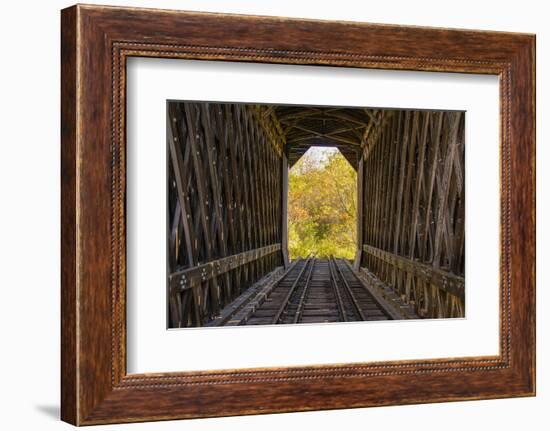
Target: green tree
[322, 207]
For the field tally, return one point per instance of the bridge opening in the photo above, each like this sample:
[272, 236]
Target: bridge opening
[322, 200]
[239, 246]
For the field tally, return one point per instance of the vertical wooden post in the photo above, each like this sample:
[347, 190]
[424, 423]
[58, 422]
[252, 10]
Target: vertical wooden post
[360, 203]
[284, 210]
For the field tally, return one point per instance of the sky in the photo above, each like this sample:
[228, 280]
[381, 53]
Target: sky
[319, 155]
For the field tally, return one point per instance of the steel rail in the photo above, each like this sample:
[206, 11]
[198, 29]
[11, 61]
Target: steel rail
[390, 312]
[350, 292]
[289, 294]
[336, 288]
[301, 301]
[250, 296]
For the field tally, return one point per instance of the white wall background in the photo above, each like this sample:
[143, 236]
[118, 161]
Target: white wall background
[29, 215]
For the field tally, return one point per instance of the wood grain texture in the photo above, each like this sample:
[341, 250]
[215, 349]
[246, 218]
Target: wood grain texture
[69, 396]
[96, 41]
[414, 222]
[224, 181]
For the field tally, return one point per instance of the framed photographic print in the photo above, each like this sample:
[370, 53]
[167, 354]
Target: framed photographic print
[266, 215]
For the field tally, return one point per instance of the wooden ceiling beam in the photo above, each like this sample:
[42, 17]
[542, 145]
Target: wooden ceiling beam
[306, 112]
[351, 118]
[334, 139]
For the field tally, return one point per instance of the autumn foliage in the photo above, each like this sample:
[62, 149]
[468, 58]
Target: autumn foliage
[322, 206]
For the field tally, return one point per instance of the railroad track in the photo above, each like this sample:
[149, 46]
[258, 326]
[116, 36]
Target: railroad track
[317, 291]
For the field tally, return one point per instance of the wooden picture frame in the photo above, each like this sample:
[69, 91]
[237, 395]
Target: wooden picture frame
[95, 43]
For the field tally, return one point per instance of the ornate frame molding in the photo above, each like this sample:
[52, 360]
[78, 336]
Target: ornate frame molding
[96, 41]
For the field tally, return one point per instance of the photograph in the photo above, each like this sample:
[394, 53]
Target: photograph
[271, 209]
[283, 214]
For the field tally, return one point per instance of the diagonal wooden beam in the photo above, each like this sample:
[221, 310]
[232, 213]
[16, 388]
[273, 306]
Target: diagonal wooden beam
[191, 114]
[177, 165]
[372, 115]
[373, 133]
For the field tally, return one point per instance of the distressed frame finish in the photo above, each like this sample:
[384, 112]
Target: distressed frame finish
[95, 42]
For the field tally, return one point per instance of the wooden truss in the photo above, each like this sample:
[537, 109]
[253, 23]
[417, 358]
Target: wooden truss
[224, 200]
[411, 200]
[343, 128]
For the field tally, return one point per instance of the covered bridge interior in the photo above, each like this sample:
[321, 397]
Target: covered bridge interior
[227, 209]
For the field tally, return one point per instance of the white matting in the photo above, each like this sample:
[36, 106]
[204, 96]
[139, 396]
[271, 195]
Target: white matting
[153, 348]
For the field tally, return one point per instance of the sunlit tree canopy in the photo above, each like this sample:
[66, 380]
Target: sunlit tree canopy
[322, 205]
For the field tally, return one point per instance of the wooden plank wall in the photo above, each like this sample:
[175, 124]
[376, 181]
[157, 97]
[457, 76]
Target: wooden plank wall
[413, 215]
[224, 204]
